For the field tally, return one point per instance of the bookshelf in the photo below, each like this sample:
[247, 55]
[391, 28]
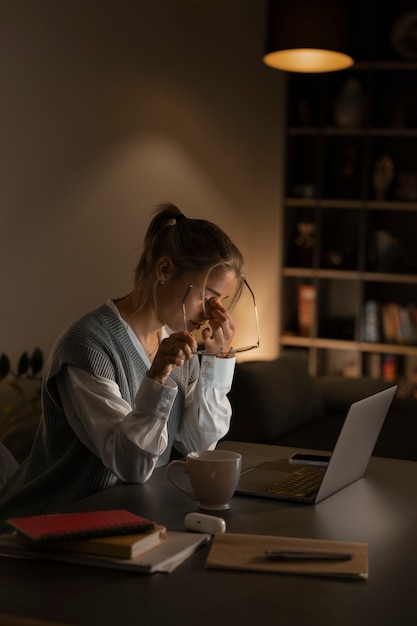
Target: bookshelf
[350, 209]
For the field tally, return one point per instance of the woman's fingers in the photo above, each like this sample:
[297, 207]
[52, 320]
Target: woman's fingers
[222, 327]
[173, 351]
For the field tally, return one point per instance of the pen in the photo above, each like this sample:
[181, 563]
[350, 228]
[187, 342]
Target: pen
[295, 555]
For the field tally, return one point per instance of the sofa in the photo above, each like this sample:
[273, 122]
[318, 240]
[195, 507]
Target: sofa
[278, 402]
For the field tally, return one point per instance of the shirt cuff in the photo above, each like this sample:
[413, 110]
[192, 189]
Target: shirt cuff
[217, 372]
[155, 398]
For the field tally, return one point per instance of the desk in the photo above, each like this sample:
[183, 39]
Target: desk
[380, 509]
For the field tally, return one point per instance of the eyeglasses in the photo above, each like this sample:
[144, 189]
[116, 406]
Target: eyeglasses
[202, 350]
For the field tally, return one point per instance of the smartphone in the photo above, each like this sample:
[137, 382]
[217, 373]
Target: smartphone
[309, 459]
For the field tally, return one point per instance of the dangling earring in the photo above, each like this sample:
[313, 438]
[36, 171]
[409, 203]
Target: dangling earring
[161, 282]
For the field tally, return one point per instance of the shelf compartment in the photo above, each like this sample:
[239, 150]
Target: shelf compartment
[402, 151]
[300, 309]
[339, 239]
[392, 242]
[303, 166]
[339, 309]
[343, 167]
[301, 240]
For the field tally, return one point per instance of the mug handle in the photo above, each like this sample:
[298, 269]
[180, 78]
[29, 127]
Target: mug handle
[171, 479]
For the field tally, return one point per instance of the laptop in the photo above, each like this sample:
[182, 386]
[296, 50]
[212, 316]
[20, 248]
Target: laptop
[347, 463]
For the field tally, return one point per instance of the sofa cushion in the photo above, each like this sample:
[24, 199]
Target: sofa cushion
[269, 398]
[339, 393]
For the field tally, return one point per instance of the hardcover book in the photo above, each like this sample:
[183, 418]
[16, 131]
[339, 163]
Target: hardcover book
[119, 546]
[79, 525]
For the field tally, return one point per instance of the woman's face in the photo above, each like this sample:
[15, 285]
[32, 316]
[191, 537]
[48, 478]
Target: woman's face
[189, 314]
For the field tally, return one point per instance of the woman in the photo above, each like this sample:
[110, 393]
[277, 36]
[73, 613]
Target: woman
[123, 388]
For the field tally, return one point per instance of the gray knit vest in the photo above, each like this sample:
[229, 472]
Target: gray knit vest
[60, 469]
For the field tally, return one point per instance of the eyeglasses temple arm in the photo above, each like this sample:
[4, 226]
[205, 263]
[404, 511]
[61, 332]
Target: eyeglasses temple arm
[183, 306]
[255, 307]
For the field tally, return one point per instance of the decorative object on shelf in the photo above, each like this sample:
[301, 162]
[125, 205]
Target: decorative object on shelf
[334, 258]
[349, 105]
[383, 176]
[304, 190]
[306, 36]
[404, 35]
[304, 243]
[381, 251]
[338, 254]
[306, 309]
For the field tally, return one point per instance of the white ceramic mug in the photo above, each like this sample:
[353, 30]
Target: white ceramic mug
[213, 475]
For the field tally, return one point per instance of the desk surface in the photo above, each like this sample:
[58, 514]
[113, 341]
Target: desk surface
[380, 509]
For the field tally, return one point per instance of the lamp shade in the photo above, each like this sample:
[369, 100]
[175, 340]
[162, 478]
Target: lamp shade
[308, 35]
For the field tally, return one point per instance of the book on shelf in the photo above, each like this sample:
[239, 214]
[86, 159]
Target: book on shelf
[405, 324]
[119, 546]
[389, 367]
[247, 552]
[399, 325]
[165, 557]
[412, 314]
[65, 526]
[370, 330]
[389, 322]
[306, 307]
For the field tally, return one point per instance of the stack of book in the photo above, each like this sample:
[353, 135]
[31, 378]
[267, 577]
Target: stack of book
[390, 323]
[116, 539]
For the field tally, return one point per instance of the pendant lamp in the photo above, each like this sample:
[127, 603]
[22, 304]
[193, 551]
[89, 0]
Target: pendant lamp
[308, 36]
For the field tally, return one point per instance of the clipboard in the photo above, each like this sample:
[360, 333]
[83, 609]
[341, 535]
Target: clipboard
[246, 552]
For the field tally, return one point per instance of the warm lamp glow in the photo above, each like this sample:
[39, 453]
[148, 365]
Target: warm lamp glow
[309, 35]
[308, 60]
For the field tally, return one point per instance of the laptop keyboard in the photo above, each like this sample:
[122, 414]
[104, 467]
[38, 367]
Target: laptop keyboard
[299, 484]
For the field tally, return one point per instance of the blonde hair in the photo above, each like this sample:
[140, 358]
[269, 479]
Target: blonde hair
[192, 245]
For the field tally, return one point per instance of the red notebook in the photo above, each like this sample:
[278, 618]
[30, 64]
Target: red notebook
[78, 525]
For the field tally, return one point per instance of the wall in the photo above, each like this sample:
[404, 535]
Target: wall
[108, 108]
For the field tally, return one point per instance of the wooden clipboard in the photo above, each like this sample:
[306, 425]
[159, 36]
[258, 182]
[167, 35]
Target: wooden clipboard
[246, 552]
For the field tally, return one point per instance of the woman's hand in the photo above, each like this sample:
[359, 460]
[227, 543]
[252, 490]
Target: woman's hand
[174, 350]
[218, 338]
